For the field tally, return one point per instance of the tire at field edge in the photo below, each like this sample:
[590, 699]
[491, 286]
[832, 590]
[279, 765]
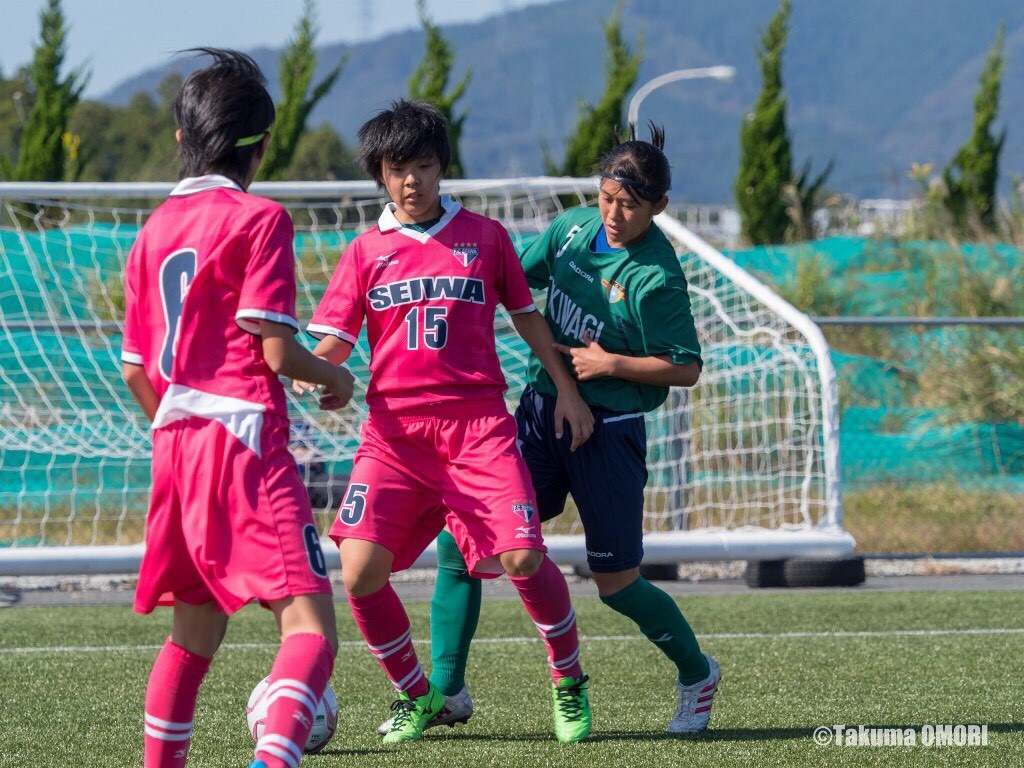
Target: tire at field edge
[805, 572]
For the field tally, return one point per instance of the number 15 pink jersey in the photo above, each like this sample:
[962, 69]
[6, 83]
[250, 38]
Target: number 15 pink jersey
[429, 301]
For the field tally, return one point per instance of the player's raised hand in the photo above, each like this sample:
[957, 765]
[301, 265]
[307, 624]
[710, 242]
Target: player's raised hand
[572, 410]
[589, 361]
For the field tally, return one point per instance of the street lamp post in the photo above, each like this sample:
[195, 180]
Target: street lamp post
[721, 72]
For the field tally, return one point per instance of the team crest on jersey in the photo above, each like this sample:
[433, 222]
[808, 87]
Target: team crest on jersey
[614, 291]
[523, 510]
[465, 253]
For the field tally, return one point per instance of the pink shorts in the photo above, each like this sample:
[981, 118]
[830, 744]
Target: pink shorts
[225, 524]
[456, 465]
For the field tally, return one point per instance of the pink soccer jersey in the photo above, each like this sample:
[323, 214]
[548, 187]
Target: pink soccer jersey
[428, 299]
[232, 251]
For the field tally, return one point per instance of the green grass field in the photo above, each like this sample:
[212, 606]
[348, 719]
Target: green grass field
[72, 682]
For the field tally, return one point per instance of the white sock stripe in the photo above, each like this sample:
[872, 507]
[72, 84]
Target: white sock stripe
[293, 689]
[559, 632]
[383, 651]
[406, 682]
[285, 756]
[554, 630]
[304, 700]
[568, 661]
[291, 682]
[168, 725]
[156, 733]
[279, 746]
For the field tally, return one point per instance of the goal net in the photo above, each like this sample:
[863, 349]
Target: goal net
[743, 466]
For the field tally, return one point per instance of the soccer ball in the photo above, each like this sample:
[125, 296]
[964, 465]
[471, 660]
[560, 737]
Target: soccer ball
[324, 724]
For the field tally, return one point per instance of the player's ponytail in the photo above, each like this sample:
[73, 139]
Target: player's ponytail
[223, 111]
[640, 166]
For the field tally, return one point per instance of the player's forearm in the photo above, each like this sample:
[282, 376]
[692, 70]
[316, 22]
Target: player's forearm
[290, 359]
[286, 357]
[657, 371]
[141, 388]
[333, 350]
[535, 332]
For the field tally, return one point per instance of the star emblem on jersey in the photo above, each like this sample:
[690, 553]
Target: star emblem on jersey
[613, 291]
[465, 253]
[523, 510]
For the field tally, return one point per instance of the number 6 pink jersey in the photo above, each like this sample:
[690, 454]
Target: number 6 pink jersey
[210, 263]
[429, 300]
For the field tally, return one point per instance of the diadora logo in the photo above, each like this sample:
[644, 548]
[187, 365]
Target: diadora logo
[586, 276]
[614, 291]
[600, 554]
[523, 510]
[466, 253]
[386, 260]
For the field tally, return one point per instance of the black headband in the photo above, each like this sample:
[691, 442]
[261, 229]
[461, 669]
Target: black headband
[628, 182]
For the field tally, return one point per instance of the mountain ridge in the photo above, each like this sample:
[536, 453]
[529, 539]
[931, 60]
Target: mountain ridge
[874, 85]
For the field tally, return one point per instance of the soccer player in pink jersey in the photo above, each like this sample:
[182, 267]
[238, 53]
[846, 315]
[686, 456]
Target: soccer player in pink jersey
[209, 326]
[439, 446]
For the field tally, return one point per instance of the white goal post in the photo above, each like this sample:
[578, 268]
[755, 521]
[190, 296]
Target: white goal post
[745, 466]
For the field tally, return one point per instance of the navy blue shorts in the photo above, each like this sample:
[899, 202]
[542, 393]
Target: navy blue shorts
[606, 477]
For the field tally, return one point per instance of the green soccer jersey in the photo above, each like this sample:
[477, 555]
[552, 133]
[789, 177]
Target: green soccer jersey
[632, 301]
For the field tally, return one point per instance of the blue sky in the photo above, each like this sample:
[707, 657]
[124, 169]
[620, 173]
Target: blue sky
[119, 38]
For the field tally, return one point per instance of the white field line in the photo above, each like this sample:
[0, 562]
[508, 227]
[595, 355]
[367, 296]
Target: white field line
[583, 639]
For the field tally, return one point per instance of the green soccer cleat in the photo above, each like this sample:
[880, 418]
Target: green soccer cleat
[572, 709]
[412, 715]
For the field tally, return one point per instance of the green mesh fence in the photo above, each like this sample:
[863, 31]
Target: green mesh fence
[920, 407]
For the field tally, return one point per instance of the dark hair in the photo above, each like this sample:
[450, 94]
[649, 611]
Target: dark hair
[218, 106]
[639, 166]
[408, 131]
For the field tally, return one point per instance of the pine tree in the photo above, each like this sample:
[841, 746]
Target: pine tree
[972, 175]
[766, 162]
[12, 121]
[296, 67]
[46, 145]
[595, 126]
[322, 155]
[429, 81]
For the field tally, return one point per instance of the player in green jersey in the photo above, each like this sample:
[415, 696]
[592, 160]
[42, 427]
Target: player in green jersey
[619, 309]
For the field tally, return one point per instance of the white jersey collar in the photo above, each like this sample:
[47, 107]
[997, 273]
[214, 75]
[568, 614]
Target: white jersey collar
[195, 184]
[388, 222]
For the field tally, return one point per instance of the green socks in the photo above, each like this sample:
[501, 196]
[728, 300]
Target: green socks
[454, 613]
[661, 621]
